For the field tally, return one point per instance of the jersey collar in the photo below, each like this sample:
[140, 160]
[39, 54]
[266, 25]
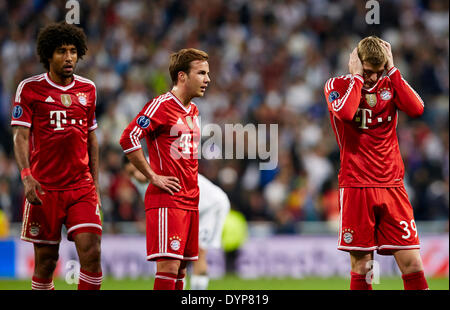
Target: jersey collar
[179, 102]
[63, 88]
[370, 90]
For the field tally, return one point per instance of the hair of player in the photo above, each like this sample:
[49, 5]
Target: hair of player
[181, 61]
[371, 51]
[57, 34]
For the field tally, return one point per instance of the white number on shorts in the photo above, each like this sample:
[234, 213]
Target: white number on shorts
[413, 226]
[97, 211]
[408, 233]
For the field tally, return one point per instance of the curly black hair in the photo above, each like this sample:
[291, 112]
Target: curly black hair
[56, 35]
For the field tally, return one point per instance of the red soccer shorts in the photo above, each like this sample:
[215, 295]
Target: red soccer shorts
[172, 233]
[77, 209]
[379, 219]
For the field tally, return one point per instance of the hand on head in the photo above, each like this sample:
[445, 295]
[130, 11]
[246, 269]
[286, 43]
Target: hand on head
[354, 64]
[388, 51]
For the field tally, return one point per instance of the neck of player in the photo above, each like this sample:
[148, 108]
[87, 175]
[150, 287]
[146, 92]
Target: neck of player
[59, 79]
[182, 95]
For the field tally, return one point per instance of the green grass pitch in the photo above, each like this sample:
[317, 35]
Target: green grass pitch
[232, 282]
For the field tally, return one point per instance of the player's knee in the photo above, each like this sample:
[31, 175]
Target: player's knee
[46, 265]
[93, 254]
[360, 268]
[168, 265]
[408, 261]
[90, 256]
[360, 262]
[411, 265]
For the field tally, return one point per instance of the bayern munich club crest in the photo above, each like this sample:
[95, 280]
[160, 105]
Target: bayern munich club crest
[175, 243]
[34, 229]
[348, 235]
[385, 94]
[143, 121]
[82, 98]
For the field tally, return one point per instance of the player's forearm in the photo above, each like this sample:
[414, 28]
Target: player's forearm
[408, 100]
[137, 158]
[93, 156]
[21, 146]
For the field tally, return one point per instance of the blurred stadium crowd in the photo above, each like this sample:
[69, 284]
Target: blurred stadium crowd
[269, 61]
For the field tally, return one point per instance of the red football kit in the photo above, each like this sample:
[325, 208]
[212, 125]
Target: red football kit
[172, 134]
[59, 118]
[375, 212]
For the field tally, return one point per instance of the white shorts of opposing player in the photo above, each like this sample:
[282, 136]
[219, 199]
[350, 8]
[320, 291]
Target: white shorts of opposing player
[214, 206]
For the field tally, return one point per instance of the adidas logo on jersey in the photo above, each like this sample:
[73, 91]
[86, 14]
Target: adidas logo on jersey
[49, 99]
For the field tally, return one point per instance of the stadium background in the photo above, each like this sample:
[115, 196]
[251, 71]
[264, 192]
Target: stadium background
[268, 61]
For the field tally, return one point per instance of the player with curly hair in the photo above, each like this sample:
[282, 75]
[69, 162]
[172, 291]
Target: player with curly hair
[56, 150]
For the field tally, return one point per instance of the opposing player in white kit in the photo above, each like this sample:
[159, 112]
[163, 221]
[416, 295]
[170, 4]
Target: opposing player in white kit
[214, 206]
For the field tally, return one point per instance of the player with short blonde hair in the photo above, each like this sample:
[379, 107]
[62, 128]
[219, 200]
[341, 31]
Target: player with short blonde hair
[370, 50]
[375, 212]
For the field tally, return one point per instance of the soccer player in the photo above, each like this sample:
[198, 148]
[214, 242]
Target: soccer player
[213, 208]
[170, 125]
[375, 212]
[56, 150]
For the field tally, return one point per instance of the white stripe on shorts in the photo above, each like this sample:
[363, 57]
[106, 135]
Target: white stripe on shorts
[162, 220]
[341, 205]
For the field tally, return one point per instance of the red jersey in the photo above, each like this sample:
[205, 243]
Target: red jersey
[59, 118]
[364, 122]
[172, 134]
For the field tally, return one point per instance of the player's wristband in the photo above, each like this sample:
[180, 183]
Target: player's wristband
[25, 172]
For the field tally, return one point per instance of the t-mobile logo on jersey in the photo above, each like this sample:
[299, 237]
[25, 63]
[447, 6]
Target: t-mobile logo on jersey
[364, 116]
[58, 118]
[186, 144]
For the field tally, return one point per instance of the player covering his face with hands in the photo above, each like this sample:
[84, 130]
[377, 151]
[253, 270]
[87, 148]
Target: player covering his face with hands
[375, 212]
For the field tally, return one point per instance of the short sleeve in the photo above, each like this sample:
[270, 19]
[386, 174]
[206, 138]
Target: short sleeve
[21, 110]
[148, 120]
